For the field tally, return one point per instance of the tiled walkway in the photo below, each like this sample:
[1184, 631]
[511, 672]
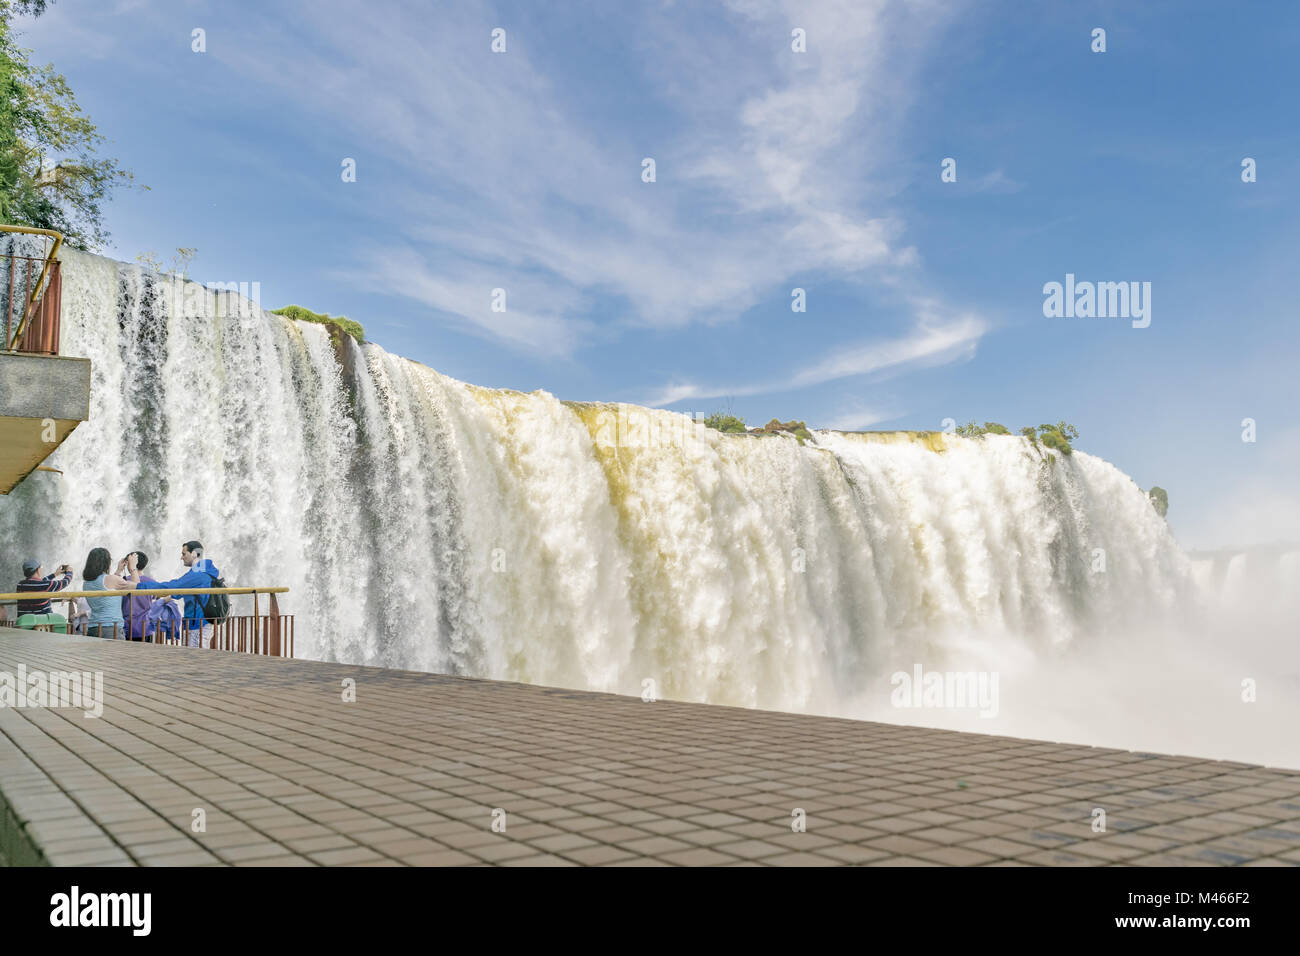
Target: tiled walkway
[285, 772]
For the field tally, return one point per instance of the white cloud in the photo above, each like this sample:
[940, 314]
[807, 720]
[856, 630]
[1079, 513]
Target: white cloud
[763, 170]
[857, 418]
[935, 342]
[535, 319]
[997, 181]
[938, 344]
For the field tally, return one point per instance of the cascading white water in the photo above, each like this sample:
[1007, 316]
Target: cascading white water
[427, 524]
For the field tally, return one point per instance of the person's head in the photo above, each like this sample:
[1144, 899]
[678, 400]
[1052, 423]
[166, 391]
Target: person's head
[141, 560]
[191, 551]
[97, 562]
[31, 568]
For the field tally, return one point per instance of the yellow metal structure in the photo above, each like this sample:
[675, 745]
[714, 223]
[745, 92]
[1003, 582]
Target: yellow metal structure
[30, 305]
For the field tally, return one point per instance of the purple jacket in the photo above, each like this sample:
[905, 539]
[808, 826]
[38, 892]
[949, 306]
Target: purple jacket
[135, 610]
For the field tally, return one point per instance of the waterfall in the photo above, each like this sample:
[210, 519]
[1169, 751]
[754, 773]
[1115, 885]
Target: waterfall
[427, 524]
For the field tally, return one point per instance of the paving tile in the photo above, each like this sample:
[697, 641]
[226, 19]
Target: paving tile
[955, 856]
[700, 856]
[654, 846]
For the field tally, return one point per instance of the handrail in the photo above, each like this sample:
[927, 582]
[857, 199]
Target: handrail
[269, 634]
[14, 339]
[57, 596]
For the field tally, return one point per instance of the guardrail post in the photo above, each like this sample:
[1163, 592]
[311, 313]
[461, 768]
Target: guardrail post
[273, 628]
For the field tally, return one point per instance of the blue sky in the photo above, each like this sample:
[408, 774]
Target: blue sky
[774, 170]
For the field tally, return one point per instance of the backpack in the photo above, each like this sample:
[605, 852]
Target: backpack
[217, 608]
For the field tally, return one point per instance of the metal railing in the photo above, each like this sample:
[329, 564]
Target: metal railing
[36, 328]
[271, 634]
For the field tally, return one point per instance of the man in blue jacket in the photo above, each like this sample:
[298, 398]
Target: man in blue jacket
[202, 573]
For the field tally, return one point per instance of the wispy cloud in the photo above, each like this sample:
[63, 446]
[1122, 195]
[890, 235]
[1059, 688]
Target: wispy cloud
[537, 315]
[857, 418]
[997, 181]
[934, 342]
[763, 171]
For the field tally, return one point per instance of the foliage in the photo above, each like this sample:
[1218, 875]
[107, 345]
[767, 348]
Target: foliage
[51, 175]
[724, 422]
[1159, 500]
[734, 425]
[798, 429]
[338, 323]
[971, 430]
[1056, 436]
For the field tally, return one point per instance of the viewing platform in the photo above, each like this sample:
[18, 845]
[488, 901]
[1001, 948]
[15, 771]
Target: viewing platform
[257, 633]
[279, 769]
[43, 395]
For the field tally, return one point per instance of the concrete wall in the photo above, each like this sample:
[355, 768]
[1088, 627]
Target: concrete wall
[42, 386]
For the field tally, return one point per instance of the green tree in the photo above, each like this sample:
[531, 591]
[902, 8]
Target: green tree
[971, 430]
[1159, 500]
[725, 423]
[1056, 436]
[51, 173]
[1068, 432]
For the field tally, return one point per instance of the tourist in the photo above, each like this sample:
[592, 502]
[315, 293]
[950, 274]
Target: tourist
[106, 612]
[78, 615]
[33, 582]
[135, 608]
[202, 573]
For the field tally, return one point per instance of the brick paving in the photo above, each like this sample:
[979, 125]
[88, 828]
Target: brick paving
[287, 774]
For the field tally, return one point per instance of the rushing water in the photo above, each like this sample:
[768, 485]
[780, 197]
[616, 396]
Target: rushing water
[427, 524]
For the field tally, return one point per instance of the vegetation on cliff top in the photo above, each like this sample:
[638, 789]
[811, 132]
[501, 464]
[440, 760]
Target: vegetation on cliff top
[1056, 436]
[971, 430]
[337, 323]
[1159, 499]
[734, 425]
[730, 424]
[798, 429]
